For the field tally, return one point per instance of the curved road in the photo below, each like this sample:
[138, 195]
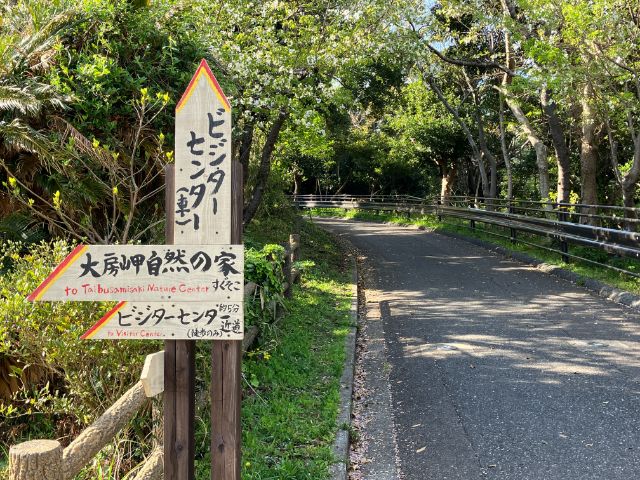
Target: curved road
[495, 370]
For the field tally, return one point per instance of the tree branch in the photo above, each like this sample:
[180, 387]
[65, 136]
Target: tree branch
[470, 63]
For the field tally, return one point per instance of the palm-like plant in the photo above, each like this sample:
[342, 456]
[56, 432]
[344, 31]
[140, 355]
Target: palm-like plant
[75, 186]
[26, 53]
[27, 49]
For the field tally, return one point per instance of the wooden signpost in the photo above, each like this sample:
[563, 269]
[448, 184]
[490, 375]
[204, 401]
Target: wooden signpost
[191, 288]
[147, 273]
[178, 321]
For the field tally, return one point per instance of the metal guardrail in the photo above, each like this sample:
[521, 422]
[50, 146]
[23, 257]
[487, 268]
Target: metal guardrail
[607, 228]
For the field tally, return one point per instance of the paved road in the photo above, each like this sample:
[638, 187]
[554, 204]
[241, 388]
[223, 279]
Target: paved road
[496, 369]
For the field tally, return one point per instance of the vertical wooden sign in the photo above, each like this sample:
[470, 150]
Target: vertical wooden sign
[207, 209]
[203, 162]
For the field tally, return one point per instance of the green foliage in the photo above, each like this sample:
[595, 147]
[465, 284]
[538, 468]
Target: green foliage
[289, 414]
[92, 171]
[264, 268]
[291, 379]
[58, 382]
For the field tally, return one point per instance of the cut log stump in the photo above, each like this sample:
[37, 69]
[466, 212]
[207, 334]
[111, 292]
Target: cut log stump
[36, 460]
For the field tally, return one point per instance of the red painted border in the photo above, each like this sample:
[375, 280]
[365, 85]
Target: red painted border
[203, 65]
[100, 322]
[215, 82]
[54, 274]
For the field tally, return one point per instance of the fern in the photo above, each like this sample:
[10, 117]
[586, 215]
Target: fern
[21, 228]
[19, 136]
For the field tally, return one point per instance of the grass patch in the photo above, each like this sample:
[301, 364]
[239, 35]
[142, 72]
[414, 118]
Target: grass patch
[291, 380]
[490, 234]
[291, 387]
[289, 415]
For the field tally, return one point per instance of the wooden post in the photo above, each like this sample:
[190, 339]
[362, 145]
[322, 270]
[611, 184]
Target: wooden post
[512, 231]
[226, 379]
[179, 375]
[294, 245]
[208, 211]
[564, 246]
[36, 460]
[287, 270]
[294, 248]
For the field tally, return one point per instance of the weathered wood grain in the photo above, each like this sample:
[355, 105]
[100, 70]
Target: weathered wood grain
[226, 376]
[152, 376]
[171, 416]
[163, 272]
[170, 321]
[203, 162]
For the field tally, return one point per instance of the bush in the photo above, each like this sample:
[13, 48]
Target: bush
[264, 268]
[51, 382]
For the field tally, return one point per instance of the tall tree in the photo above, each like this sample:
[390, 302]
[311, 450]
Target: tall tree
[281, 59]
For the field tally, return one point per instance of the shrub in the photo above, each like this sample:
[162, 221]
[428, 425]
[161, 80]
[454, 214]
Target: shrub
[264, 267]
[51, 382]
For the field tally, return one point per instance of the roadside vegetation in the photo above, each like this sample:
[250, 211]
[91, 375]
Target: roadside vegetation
[495, 234]
[533, 100]
[58, 383]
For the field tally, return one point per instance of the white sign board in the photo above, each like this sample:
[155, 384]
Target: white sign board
[168, 320]
[147, 273]
[203, 162]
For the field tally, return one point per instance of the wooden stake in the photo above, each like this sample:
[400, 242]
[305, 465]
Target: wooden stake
[226, 386]
[179, 375]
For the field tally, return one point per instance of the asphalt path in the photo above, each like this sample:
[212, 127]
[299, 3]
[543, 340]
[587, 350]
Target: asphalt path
[498, 370]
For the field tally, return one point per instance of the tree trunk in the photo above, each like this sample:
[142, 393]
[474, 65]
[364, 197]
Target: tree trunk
[560, 146]
[629, 201]
[265, 168]
[448, 179]
[588, 155]
[535, 141]
[503, 146]
[629, 181]
[493, 165]
[245, 151]
[477, 154]
[297, 182]
[537, 144]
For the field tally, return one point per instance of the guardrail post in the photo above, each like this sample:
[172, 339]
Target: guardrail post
[512, 231]
[438, 203]
[564, 246]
